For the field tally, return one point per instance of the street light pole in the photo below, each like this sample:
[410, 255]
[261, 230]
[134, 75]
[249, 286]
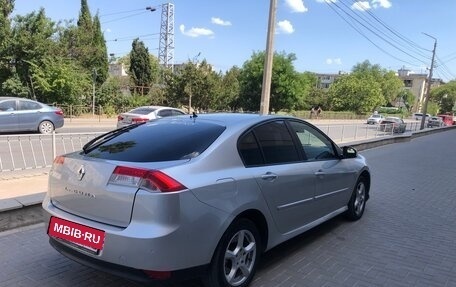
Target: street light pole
[428, 86]
[267, 73]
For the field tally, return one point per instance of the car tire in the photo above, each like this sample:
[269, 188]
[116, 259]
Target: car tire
[236, 257]
[46, 127]
[358, 199]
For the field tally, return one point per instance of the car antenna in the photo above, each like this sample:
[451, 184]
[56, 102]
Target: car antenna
[194, 116]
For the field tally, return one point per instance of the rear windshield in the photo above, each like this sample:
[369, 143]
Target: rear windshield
[142, 111]
[160, 141]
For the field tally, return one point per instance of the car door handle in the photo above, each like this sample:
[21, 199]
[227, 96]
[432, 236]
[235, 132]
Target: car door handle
[320, 172]
[269, 176]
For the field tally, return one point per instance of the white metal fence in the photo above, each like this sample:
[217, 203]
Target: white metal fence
[22, 152]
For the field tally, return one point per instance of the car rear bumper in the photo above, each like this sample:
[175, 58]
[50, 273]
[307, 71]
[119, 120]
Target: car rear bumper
[123, 271]
[179, 241]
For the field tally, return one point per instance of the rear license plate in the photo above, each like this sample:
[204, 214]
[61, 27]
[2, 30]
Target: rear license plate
[76, 233]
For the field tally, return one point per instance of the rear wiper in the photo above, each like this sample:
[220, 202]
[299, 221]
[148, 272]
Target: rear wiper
[97, 141]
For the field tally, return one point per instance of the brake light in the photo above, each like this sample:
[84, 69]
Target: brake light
[119, 118]
[150, 180]
[138, 120]
[59, 112]
[59, 160]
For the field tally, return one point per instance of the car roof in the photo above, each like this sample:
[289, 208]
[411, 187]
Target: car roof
[9, 98]
[231, 119]
[15, 98]
[155, 107]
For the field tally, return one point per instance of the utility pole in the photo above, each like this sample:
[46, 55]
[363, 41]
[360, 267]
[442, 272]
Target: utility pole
[428, 86]
[267, 73]
[94, 78]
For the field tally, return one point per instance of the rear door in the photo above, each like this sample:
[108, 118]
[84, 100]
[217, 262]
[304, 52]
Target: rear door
[29, 115]
[288, 185]
[8, 116]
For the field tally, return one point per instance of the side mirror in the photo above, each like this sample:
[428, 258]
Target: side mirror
[349, 152]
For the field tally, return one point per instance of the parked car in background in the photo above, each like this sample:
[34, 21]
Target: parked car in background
[375, 119]
[393, 124]
[435, 122]
[448, 119]
[146, 113]
[419, 116]
[206, 193]
[20, 114]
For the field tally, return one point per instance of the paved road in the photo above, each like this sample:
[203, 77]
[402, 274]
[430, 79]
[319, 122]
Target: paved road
[406, 237]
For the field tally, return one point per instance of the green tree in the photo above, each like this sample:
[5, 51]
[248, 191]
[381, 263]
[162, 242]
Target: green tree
[195, 85]
[32, 41]
[407, 97]
[391, 86]
[357, 92]
[100, 53]
[6, 7]
[61, 81]
[229, 91]
[140, 67]
[445, 97]
[288, 87]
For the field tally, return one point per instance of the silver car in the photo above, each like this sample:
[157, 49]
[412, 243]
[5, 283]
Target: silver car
[146, 113]
[20, 114]
[203, 194]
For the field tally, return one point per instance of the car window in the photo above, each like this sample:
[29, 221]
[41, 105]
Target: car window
[165, 141]
[250, 150]
[27, 106]
[164, 113]
[315, 145]
[177, 113]
[276, 143]
[142, 111]
[8, 106]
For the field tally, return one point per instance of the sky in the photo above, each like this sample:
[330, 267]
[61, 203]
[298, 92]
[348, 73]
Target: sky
[326, 36]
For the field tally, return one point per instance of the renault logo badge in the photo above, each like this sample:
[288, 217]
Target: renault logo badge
[81, 172]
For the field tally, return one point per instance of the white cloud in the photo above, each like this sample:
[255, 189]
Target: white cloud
[218, 21]
[296, 6]
[285, 27]
[336, 61]
[381, 3]
[326, 1]
[361, 6]
[195, 32]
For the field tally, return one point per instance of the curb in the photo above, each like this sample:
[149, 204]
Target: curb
[27, 210]
[21, 211]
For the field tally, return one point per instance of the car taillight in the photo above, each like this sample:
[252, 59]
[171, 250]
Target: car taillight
[150, 180]
[119, 118]
[59, 160]
[59, 112]
[138, 120]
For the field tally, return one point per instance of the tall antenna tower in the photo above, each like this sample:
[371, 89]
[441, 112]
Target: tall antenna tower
[166, 46]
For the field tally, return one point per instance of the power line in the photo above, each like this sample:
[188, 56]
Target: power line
[365, 36]
[373, 32]
[127, 38]
[445, 68]
[122, 18]
[123, 12]
[408, 43]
